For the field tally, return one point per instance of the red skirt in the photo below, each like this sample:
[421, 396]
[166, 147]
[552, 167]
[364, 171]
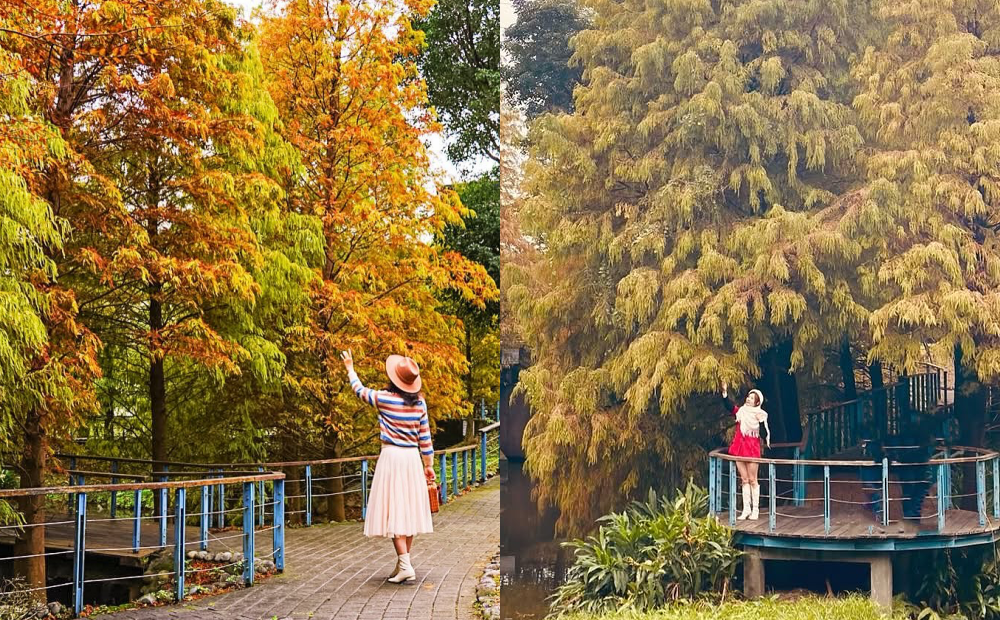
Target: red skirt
[744, 446]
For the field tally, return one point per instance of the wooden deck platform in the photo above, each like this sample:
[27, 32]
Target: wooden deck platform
[850, 522]
[113, 539]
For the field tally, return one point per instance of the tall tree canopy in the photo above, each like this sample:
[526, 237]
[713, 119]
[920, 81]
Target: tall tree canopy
[461, 63]
[541, 76]
[676, 211]
[343, 78]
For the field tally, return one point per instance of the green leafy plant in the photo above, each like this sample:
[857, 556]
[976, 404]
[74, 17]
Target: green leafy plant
[958, 583]
[658, 551]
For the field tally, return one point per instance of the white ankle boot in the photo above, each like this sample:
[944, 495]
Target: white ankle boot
[406, 572]
[755, 509]
[395, 571]
[746, 503]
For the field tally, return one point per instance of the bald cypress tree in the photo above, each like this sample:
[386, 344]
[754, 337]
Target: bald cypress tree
[932, 210]
[688, 214]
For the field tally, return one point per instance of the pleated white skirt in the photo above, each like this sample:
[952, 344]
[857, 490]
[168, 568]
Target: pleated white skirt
[397, 503]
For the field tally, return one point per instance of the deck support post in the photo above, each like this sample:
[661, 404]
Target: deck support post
[442, 463]
[753, 573]
[981, 491]
[454, 473]
[114, 494]
[881, 580]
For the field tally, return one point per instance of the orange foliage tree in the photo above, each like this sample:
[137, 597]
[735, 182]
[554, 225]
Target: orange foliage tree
[344, 80]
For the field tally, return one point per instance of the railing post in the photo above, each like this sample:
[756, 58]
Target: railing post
[79, 551]
[885, 492]
[718, 484]
[137, 522]
[279, 524]
[996, 487]
[772, 506]
[364, 489]
[221, 490]
[309, 495]
[163, 517]
[248, 533]
[732, 493]
[940, 497]
[71, 499]
[180, 517]
[712, 508]
[482, 458]
[826, 499]
[454, 473]
[262, 495]
[442, 460]
[465, 469]
[114, 494]
[205, 515]
[947, 481]
[798, 473]
[981, 491]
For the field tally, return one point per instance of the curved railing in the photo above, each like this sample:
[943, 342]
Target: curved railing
[876, 414]
[838, 500]
[78, 496]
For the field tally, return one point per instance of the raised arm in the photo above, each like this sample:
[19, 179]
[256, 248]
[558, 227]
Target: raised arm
[368, 395]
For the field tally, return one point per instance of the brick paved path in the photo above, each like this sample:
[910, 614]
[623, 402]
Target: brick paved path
[334, 572]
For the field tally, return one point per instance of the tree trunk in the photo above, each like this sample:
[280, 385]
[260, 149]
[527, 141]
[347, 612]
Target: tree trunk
[334, 503]
[789, 390]
[769, 385]
[470, 425]
[32, 470]
[157, 390]
[847, 370]
[878, 400]
[970, 411]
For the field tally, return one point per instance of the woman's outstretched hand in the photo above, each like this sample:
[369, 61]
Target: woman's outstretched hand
[348, 360]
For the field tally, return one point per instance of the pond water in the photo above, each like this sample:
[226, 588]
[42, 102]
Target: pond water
[532, 562]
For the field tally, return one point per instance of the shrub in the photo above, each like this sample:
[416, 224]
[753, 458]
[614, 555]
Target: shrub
[656, 552]
[809, 608]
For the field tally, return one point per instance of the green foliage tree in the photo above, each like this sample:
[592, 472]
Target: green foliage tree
[541, 75]
[461, 63]
[478, 239]
[686, 214]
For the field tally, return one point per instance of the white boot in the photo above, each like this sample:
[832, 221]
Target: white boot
[406, 572]
[395, 571]
[746, 503]
[755, 510]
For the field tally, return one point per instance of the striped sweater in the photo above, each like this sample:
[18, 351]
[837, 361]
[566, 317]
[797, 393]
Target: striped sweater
[399, 424]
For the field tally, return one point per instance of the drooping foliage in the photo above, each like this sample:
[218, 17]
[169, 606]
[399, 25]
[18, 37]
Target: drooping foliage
[684, 213]
[345, 83]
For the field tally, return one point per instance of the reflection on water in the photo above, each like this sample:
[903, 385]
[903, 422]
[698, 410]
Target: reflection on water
[531, 562]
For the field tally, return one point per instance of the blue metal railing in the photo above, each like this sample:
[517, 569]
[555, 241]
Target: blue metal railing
[890, 490]
[80, 518]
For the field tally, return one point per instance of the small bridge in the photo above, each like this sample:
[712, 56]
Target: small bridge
[265, 511]
[828, 501]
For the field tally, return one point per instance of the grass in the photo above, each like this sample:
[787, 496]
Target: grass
[853, 607]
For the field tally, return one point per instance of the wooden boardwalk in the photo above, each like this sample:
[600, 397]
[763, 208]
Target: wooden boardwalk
[112, 539]
[334, 572]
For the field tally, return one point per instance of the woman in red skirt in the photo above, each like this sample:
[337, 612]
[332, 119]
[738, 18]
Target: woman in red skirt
[746, 443]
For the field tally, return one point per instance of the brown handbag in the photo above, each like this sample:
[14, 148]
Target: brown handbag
[432, 495]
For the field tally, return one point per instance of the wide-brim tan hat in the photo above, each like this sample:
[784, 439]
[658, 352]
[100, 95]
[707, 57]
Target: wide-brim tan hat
[403, 372]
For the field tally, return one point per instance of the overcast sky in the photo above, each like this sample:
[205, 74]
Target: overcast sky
[439, 160]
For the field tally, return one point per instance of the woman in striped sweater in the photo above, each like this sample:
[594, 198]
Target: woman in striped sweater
[398, 505]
